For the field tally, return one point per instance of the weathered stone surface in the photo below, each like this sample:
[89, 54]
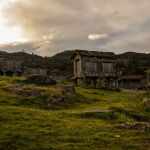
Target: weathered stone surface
[134, 126]
[38, 79]
[57, 100]
[68, 89]
[146, 102]
[24, 90]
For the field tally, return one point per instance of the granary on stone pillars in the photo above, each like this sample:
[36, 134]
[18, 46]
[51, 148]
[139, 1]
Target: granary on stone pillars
[95, 68]
[10, 66]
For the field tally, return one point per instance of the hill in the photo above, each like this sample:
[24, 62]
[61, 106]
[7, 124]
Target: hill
[27, 123]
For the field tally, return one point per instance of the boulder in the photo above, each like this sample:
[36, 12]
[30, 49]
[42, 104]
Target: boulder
[134, 126]
[39, 79]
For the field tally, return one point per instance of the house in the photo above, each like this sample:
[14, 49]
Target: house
[95, 68]
[10, 66]
[35, 70]
[131, 81]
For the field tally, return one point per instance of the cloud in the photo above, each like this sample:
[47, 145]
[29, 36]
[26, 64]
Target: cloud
[56, 25]
[98, 36]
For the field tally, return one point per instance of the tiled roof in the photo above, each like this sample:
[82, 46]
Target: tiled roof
[131, 77]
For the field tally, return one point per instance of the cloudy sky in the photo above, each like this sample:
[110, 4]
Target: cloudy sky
[46, 27]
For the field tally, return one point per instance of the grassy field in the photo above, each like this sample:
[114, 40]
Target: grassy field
[27, 124]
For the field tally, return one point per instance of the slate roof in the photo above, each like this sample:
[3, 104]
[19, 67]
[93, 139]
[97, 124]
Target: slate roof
[94, 53]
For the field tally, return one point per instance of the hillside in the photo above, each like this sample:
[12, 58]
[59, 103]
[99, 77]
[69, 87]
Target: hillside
[27, 123]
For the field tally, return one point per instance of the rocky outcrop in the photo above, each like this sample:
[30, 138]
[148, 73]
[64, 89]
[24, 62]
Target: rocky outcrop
[57, 100]
[68, 89]
[134, 126]
[24, 90]
[38, 79]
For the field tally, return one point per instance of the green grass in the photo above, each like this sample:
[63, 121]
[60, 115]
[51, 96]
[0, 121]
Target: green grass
[29, 125]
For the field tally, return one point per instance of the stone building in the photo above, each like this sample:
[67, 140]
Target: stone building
[131, 82]
[35, 70]
[10, 66]
[95, 68]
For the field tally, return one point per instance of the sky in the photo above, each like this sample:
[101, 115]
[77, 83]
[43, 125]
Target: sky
[46, 27]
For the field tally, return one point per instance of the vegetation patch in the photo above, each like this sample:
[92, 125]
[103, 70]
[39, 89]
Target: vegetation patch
[27, 123]
[100, 114]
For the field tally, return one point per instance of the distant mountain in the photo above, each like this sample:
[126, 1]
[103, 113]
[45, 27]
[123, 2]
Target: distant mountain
[130, 62]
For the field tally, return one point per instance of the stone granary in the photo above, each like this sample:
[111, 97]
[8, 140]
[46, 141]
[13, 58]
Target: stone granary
[35, 70]
[95, 68]
[10, 66]
[131, 81]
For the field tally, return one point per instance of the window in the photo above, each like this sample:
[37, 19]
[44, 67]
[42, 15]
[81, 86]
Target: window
[91, 67]
[108, 67]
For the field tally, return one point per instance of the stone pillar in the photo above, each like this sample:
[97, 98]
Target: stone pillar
[4, 73]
